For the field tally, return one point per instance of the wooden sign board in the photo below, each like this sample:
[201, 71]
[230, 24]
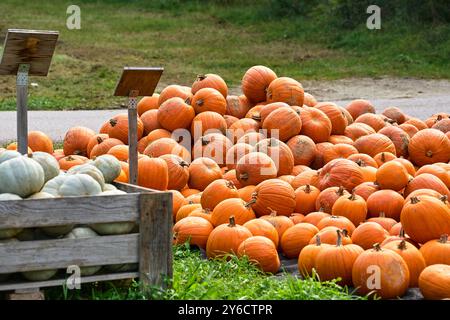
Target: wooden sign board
[140, 80]
[32, 47]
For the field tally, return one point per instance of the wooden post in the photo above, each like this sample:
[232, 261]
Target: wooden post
[22, 110]
[155, 243]
[132, 137]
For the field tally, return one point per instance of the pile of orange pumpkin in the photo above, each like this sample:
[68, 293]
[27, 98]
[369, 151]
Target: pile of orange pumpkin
[352, 194]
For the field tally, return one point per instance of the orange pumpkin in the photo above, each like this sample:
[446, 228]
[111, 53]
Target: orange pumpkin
[315, 124]
[178, 171]
[68, 162]
[392, 175]
[328, 197]
[305, 199]
[429, 146]
[358, 107]
[153, 173]
[338, 119]
[174, 113]
[340, 172]
[340, 222]
[285, 89]
[210, 80]
[330, 234]
[172, 91]
[315, 217]
[308, 255]
[281, 223]
[237, 106]
[119, 127]
[282, 123]
[358, 130]
[209, 99]
[303, 149]
[236, 152]
[369, 233]
[203, 171]
[148, 103]
[419, 124]
[262, 252]
[256, 81]
[39, 141]
[164, 146]
[373, 120]
[196, 230]
[296, 238]
[274, 195]
[207, 122]
[254, 168]
[365, 189]
[388, 202]
[437, 251]
[383, 157]
[352, 207]
[434, 282]
[261, 227]
[119, 151]
[104, 147]
[279, 152]
[150, 121]
[394, 114]
[76, 141]
[339, 150]
[216, 192]
[374, 144]
[427, 181]
[399, 137]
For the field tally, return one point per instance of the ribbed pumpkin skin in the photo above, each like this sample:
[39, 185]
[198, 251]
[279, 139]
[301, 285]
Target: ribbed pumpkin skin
[186, 209]
[340, 172]
[104, 147]
[174, 114]
[307, 258]
[352, 207]
[337, 221]
[121, 152]
[148, 103]
[72, 185]
[254, 168]
[358, 130]
[375, 121]
[255, 82]
[209, 99]
[399, 137]
[285, 89]
[359, 106]
[296, 238]
[68, 162]
[21, 176]
[203, 171]
[237, 106]
[279, 152]
[241, 210]
[315, 217]
[437, 171]
[374, 144]
[208, 120]
[328, 197]
[194, 229]
[394, 273]
[213, 146]
[336, 261]
[387, 201]
[153, 173]
[282, 123]
[426, 181]
[392, 175]
[369, 233]
[261, 227]
[338, 120]
[119, 128]
[412, 256]
[429, 146]
[235, 153]
[261, 251]
[434, 282]
[303, 149]
[174, 90]
[210, 80]
[315, 124]
[281, 223]
[39, 141]
[48, 164]
[366, 189]
[216, 192]
[274, 195]
[150, 121]
[76, 141]
[305, 199]
[109, 166]
[436, 251]
[178, 171]
[425, 218]
[226, 239]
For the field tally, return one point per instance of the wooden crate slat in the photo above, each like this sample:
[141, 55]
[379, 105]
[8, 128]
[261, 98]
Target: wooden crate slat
[130, 188]
[60, 253]
[70, 210]
[59, 282]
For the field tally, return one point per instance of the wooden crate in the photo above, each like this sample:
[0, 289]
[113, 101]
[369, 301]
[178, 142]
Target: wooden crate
[151, 247]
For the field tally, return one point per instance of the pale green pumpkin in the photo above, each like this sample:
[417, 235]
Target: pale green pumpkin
[8, 155]
[82, 233]
[72, 186]
[109, 166]
[90, 170]
[47, 162]
[109, 187]
[22, 176]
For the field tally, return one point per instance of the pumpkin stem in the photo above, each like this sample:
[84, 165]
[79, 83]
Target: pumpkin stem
[383, 157]
[321, 209]
[402, 245]
[352, 197]
[230, 185]
[200, 102]
[248, 204]
[414, 200]
[191, 202]
[340, 191]
[113, 122]
[318, 242]
[382, 215]
[444, 199]
[339, 238]
[99, 140]
[273, 213]
[205, 141]
[70, 158]
[402, 233]
[256, 117]
[232, 222]
[201, 77]
[243, 176]
[307, 188]
[345, 232]
[439, 118]
[360, 163]
[443, 238]
[184, 163]
[187, 100]
[429, 154]
[377, 247]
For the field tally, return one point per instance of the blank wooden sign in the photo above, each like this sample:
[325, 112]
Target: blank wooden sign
[142, 80]
[33, 47]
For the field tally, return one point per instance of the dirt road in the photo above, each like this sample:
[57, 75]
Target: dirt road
[418, 98]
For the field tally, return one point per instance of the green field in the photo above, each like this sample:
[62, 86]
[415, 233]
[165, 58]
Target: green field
[224, 37]
[197, 278]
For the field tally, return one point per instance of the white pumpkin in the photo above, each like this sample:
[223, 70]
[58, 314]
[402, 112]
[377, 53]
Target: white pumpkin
[72, 186]
[9, 233]
[81, 233]
[90, 170]
[47, 162]
[8, 155]
[112, 192]
[109, 166]
[22, 176]
[109, 187]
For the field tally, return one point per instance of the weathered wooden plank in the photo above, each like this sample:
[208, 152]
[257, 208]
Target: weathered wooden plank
[142, 79]
[70, 210]
[131, 188]
[60, 253]
[59, 282]
[34, 47]
[155, 245]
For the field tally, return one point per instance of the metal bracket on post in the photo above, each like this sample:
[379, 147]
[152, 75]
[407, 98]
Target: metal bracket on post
[132, 137]
[22, 109]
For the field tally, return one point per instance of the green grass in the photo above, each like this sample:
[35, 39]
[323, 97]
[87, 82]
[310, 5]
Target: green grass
[192, 37]
[197, 278]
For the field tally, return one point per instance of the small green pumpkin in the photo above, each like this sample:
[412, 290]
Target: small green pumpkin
[9, 233]
[72, 186]
[47, 162]
[82, 233]
[90, 170]
[22, 176]
[109, 166]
